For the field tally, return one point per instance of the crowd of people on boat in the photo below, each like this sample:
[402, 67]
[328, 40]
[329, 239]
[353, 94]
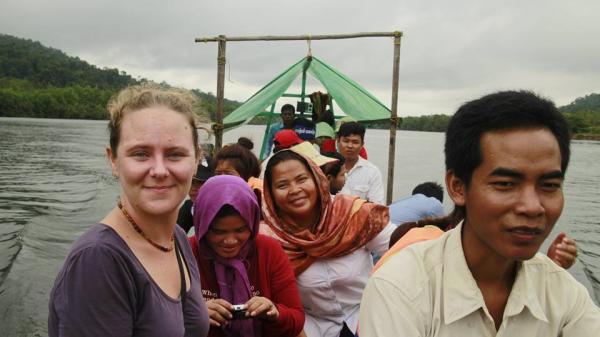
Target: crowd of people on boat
[303, 244]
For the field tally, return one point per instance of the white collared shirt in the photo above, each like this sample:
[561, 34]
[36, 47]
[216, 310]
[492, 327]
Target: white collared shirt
[364, 181]
[331, 289]
[427, 289]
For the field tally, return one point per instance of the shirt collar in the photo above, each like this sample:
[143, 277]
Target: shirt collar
[462, 295]
[526, 293]
[360, 163]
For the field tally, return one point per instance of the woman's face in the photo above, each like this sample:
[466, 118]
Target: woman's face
[226, 167]
[295, 192]
[155, 159]
[227, 235]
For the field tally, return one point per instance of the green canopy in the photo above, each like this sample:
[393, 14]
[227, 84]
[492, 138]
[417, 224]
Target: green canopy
[353, 99]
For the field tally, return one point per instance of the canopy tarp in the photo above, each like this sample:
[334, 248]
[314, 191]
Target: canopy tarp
[353, 99]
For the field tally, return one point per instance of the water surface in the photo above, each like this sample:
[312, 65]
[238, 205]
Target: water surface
[55, 183]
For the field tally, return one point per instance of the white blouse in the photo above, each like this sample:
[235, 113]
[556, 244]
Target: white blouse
[331, 289]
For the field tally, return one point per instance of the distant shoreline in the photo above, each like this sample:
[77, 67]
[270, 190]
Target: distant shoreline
[576, 136]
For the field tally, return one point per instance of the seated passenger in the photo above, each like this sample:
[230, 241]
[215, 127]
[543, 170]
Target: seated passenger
[239, 266]
[324, 136]
[335, 172]
[237, 160]
[185, 218]
[425, 202]
[329, 241]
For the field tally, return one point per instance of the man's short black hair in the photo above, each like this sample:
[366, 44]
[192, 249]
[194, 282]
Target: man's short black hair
[494, 112]
[288, 107]
[352, 128]
[430, 189]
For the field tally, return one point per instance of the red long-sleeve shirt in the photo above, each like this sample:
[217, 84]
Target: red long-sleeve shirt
[270, 274]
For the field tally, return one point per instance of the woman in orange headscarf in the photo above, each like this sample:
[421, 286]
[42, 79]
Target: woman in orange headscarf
[329, 241]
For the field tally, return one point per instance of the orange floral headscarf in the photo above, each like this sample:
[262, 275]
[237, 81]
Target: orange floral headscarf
[346, 224]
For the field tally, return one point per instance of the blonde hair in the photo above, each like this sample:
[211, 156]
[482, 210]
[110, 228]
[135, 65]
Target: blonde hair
[148, 95]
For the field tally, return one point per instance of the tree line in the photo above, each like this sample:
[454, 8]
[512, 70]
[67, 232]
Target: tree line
[37, 81]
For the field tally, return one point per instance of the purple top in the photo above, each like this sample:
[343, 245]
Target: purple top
[103, 290]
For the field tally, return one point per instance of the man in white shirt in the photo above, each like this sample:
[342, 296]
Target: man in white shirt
[363, 179]
[506, 157]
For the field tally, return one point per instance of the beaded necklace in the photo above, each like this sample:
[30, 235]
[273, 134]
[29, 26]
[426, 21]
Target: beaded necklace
[139, 230]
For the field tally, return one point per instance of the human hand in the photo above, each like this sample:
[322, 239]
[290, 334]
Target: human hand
[263, 308]
[563, 251]
[219, 311]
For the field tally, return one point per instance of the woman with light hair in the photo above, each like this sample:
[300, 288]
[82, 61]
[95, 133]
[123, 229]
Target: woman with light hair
[133, 273]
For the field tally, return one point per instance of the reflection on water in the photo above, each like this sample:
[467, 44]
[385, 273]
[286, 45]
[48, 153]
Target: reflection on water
[55, 183]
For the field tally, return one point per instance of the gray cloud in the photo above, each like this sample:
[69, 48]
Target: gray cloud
[451, 51]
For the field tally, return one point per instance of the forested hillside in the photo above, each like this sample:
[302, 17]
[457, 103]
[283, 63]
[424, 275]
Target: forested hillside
[583, 115]
[38, 81]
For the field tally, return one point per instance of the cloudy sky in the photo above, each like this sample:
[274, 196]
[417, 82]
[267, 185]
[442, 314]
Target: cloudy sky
[452, 51]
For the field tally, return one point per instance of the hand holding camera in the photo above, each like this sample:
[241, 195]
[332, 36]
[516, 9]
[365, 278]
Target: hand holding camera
[221, 312]
[262, 308]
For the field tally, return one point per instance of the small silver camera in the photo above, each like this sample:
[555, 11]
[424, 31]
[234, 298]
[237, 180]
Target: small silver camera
[239, 311]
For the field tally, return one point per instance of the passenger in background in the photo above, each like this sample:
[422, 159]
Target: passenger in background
[329, 241]
[241, 267]
[425, 202]
[363, 178]
[305, 128]
[338, 124]
[288, 114]
[185, 218]
[133, 274]
[335, 172]
[237, 160]
[246, 142]
[325, 137]
[284, 139]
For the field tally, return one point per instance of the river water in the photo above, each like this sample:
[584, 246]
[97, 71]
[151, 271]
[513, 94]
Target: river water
[55, 182]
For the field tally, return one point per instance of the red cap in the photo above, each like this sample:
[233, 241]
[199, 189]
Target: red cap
[286, 138]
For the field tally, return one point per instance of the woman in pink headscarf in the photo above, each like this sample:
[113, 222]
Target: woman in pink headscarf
[240, 267]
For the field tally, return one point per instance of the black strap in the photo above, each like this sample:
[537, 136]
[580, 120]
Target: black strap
[181, 273]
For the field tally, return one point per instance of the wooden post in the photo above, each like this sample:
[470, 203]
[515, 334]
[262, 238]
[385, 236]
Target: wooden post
[393, 119]
[218, 126]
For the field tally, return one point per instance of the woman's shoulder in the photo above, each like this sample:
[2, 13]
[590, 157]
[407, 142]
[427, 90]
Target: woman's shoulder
[99, 237]
[266, 242]
[98, 253]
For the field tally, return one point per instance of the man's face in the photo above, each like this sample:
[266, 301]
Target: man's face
[515, 195]
[349, 146]
[287, 117]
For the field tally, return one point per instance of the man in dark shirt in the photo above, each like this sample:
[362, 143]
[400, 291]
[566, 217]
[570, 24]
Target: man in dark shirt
[185, 218]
